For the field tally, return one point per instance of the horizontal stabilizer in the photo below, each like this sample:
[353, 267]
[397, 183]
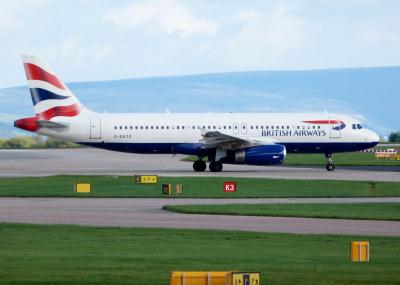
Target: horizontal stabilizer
[51, 125]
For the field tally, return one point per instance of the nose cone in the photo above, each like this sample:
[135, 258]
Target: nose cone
[373, 137]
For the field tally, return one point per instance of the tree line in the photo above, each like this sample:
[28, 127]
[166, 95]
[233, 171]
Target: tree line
[35, 142]
[394, 136]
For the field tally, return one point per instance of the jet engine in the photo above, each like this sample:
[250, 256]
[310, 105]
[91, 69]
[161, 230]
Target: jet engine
[272, 154]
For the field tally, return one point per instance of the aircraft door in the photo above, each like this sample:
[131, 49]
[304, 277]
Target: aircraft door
[95, 128]
[335, 128]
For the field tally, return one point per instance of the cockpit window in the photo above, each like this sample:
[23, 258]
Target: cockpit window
[356, 126]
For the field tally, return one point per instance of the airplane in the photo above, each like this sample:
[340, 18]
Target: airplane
[223, 138]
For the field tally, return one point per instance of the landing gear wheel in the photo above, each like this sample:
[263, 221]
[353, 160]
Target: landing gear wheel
[329, 162]
[215, 166]
[199, 166]
[330, 167]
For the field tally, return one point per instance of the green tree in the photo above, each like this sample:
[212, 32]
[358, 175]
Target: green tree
[394, 136]
[19, 142]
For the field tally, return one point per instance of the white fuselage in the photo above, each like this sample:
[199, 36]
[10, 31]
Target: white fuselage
[148, 132]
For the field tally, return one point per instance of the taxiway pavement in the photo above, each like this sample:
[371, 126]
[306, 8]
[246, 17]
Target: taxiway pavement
[45, 162]
[131, 212]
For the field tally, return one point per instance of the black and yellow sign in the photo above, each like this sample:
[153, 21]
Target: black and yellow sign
[245, 278]
[145, 179]
[166, 189]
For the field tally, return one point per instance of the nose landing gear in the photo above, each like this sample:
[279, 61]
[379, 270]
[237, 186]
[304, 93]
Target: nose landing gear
[329, 164]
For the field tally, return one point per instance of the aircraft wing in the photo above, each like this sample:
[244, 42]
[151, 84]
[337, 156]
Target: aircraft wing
[217, 139]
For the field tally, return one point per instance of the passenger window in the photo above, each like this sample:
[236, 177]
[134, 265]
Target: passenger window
[177, 127]
[120, 127]
[115, 127]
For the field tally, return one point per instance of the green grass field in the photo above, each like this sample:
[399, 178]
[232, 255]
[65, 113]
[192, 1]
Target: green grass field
[360, 211]
[340, 159]
[206, 187]
[42, 254]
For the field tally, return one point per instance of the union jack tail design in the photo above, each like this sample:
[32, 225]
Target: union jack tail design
[50, 96]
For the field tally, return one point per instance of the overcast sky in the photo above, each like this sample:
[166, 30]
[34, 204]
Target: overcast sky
[98, 40]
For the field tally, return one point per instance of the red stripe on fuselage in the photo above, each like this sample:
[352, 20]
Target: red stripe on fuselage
[66, 111]
[324, 122]
[34, 72]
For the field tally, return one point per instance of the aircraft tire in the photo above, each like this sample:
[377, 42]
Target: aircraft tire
[330, 167]
[199, 166]
[215, 166]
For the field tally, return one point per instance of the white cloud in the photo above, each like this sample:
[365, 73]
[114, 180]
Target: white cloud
[266, 38]
[75, 52]
[170, 15]
[248, 15]
[13, 13]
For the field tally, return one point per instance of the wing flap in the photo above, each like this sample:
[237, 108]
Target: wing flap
[224, 141]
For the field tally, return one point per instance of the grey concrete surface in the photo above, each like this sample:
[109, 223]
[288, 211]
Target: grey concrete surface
[44, 162]
[130, 212]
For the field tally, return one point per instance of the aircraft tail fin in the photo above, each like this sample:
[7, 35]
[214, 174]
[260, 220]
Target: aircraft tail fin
[50, 96]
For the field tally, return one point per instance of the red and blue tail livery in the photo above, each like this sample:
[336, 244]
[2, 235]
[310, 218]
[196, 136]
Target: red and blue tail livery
[222, 138]
[50, 96]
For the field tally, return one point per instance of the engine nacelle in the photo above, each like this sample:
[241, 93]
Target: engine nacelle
[257, 155]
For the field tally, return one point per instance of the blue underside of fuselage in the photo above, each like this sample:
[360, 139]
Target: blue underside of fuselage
[195, 148]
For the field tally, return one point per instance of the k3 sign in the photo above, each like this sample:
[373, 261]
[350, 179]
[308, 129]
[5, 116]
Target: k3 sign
[229, 186]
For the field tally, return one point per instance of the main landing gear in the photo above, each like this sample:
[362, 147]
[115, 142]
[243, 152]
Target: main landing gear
[200, 166]
[329, 162]
[215, 166]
